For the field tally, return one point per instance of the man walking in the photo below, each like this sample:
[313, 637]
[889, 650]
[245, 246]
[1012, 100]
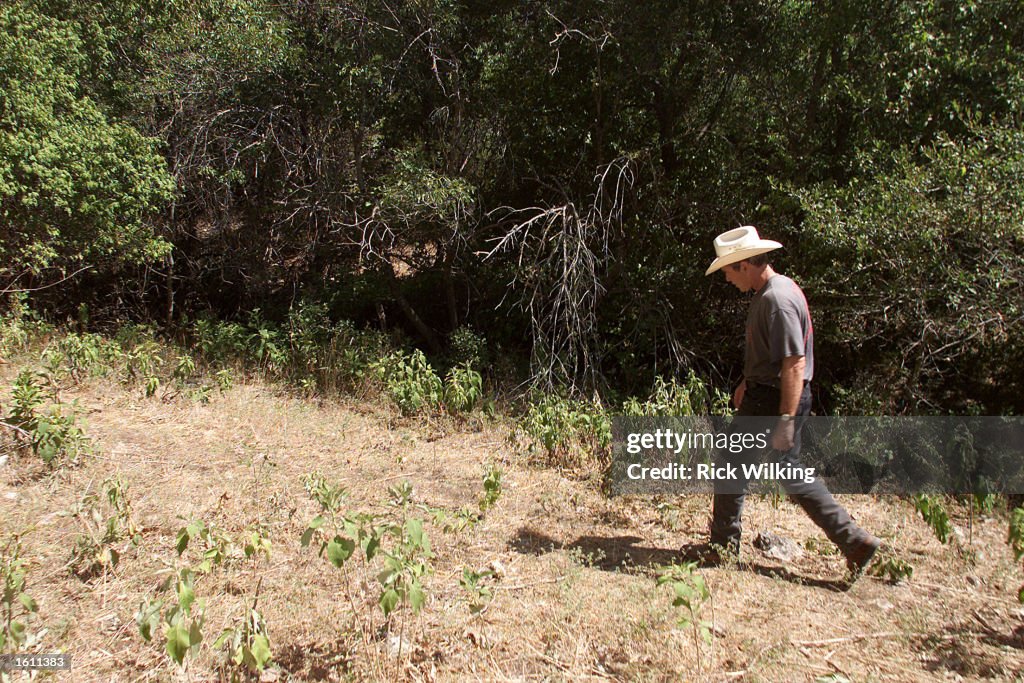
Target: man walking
[777, 370]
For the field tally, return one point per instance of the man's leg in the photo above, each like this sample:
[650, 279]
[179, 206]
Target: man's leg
[727, 508]
[726, 524]
[822, 508]
[820, 505]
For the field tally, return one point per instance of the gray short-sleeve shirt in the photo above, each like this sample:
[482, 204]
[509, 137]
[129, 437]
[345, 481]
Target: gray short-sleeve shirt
[778, 326]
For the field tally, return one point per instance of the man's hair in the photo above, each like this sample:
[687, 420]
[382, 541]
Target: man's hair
[759, 260]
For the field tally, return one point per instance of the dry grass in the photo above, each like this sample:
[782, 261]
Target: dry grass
[575, 598]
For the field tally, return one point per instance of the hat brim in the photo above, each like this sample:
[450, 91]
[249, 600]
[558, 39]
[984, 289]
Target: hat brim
[740, 254]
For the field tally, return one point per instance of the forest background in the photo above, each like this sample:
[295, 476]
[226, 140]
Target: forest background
[533, 186]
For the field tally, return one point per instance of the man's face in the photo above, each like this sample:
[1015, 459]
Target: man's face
[738, 275]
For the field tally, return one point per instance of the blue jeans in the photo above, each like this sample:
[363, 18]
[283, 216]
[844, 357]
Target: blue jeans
[814, 497]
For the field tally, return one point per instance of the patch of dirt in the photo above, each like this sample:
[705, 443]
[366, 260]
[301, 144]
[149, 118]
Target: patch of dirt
[573, 584]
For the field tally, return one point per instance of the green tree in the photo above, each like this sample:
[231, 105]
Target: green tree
[75, 188]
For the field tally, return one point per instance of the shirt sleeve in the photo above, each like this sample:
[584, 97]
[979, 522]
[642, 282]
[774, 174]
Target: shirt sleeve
[786, 336]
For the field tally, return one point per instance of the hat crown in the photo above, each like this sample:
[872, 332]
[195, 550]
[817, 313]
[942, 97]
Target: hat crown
[739, 244]
[736, 239]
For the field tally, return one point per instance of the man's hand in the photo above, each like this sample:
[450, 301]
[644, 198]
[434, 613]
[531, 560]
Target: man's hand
[791, 381]
[737, 396]
[782, 435]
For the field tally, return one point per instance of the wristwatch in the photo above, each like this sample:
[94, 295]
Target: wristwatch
[785, 417]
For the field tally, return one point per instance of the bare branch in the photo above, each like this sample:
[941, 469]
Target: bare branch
[8, 289]
[16, 429]
[560, 254]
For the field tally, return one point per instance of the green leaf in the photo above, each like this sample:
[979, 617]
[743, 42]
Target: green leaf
[416, 596]
[387, 577]
[178, 643]
[48, 451]
[388, 601]
[414, 530]
[339, 550]
[28, 603]
[372, 546]
[147, 617]
[17, 632]
[183, 539]
[222, 638]
[307, 535]
[261, 650]
[684, 591]
[195, 634]
[186, 596]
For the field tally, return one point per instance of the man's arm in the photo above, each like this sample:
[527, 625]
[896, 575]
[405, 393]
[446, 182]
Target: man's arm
[741, 391]
[791, 386]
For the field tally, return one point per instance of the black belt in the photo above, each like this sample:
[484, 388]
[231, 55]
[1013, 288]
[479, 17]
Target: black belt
[755, 385]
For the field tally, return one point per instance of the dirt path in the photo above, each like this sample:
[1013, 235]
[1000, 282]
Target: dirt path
[574, 592]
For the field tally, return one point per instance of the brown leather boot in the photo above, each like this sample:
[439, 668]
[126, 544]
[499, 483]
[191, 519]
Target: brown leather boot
[860, 555]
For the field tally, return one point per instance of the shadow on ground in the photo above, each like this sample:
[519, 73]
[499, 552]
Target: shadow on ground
[611, 553]
[959, 651]
[622, 553]
[316, 662]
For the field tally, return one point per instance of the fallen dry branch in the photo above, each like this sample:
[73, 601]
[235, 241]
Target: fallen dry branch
[882, 634]
[18, 430]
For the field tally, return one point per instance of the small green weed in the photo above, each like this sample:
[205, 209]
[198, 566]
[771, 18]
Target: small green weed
[220, 341]
[182, 620]
[569, 431]
[143, 362]
[405, 565]
[480, 595]
[892, 569]
[257, 543]
[467, 348]
[399, 539]
[409, 381]
[690, 593]
[934, 514]
[225, 380]
[16, 606]
[184, 368]
[267, 346]
[216, 545]
[86, 354]
[20, 327]
[492, 488]
[109, 523]
[26, 398]
[674, 399]
[463, 388]
[54, 436]
[247, 642]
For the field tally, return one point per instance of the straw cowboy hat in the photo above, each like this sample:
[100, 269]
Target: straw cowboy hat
[738, 244]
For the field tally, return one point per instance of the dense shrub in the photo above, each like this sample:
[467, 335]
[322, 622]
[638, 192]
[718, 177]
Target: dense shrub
[76, 189]
[915, 276]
